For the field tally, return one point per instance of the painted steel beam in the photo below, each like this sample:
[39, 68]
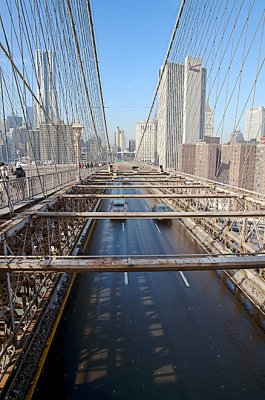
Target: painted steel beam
[130, 263]
[153, 196]
[134, 176]
[152, 215]
[126, 186]
[132, 181]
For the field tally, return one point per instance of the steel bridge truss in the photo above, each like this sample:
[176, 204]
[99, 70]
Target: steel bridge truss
[24, 296]
[37, 243]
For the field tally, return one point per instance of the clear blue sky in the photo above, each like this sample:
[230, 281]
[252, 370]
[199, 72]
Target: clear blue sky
[132, 39]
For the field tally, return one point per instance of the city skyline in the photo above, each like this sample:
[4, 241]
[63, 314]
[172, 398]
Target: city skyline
[139, 93]
[128, 93]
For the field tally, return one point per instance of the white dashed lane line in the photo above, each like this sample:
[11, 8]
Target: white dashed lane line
[126, 279]
[122, 227]
[157, 228]
[184, 279]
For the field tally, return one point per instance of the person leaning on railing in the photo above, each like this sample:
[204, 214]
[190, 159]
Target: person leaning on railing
[21, 175]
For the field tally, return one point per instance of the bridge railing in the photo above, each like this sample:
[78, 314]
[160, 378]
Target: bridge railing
[16, 190]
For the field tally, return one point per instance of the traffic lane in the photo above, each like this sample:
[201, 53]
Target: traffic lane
[218, 298]
[206, 308]
[158, 237]
[153, 336]
[133, 237]
[149, 339]
[108, 236]
[175, 240]
[168, 345]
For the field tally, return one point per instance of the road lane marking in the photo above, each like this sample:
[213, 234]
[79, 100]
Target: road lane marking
[123, 227]
[147, 207]
[90, 230]
[157, 228]
[184, 279]
[126, 279]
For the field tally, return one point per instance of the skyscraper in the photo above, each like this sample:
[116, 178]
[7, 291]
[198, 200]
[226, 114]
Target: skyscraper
[30, 116]
[148, 148]
[46, 107]
[132, 145]
[120, 139]
[181, 108]
[209, 120]
[56, 143]
[236, 137]
[242, 165]
[255, 123]
[13, 121]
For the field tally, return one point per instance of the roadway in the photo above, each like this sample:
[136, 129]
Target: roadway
[152, 335]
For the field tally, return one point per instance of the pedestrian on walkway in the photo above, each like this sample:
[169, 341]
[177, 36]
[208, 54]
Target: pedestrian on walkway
[21, 181]
[3, 172]
[4, 184]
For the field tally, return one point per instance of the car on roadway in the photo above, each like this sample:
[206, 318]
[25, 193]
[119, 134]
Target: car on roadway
[118, 205]
[162, 208]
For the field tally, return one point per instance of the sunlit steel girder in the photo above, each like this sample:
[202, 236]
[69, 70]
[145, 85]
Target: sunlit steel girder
[145, 186]
[130, 263]
[152, 215]
[152, 196]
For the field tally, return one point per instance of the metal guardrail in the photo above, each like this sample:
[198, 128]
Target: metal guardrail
[16, 190]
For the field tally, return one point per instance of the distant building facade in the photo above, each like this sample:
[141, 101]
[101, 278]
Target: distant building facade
[259, 172]
[30, 116]
[181, 109]
[242, 165]
[33, 145]
[239, 164]
[120, 139]
[146, 145]
[236, 137]
[186, 158]
[209, 121]
[57, 143]
[207, 160]
[132, 145]
[46, 108]
[19, 137]
[13, 121]
[255, 123]
[93, 151]
[211, 139]
[201, 159]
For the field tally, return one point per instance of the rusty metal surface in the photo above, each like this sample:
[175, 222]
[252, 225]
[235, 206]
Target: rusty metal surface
[232, 218]
[130, 263]
[152, 196]
[126, 186]
[153, 215]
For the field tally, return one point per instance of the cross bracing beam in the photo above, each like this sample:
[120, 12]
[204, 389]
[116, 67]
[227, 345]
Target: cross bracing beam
[153, 196]
[152, 215]
[134, 175]
[114, 180]
[131, 263]
[126, 186]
